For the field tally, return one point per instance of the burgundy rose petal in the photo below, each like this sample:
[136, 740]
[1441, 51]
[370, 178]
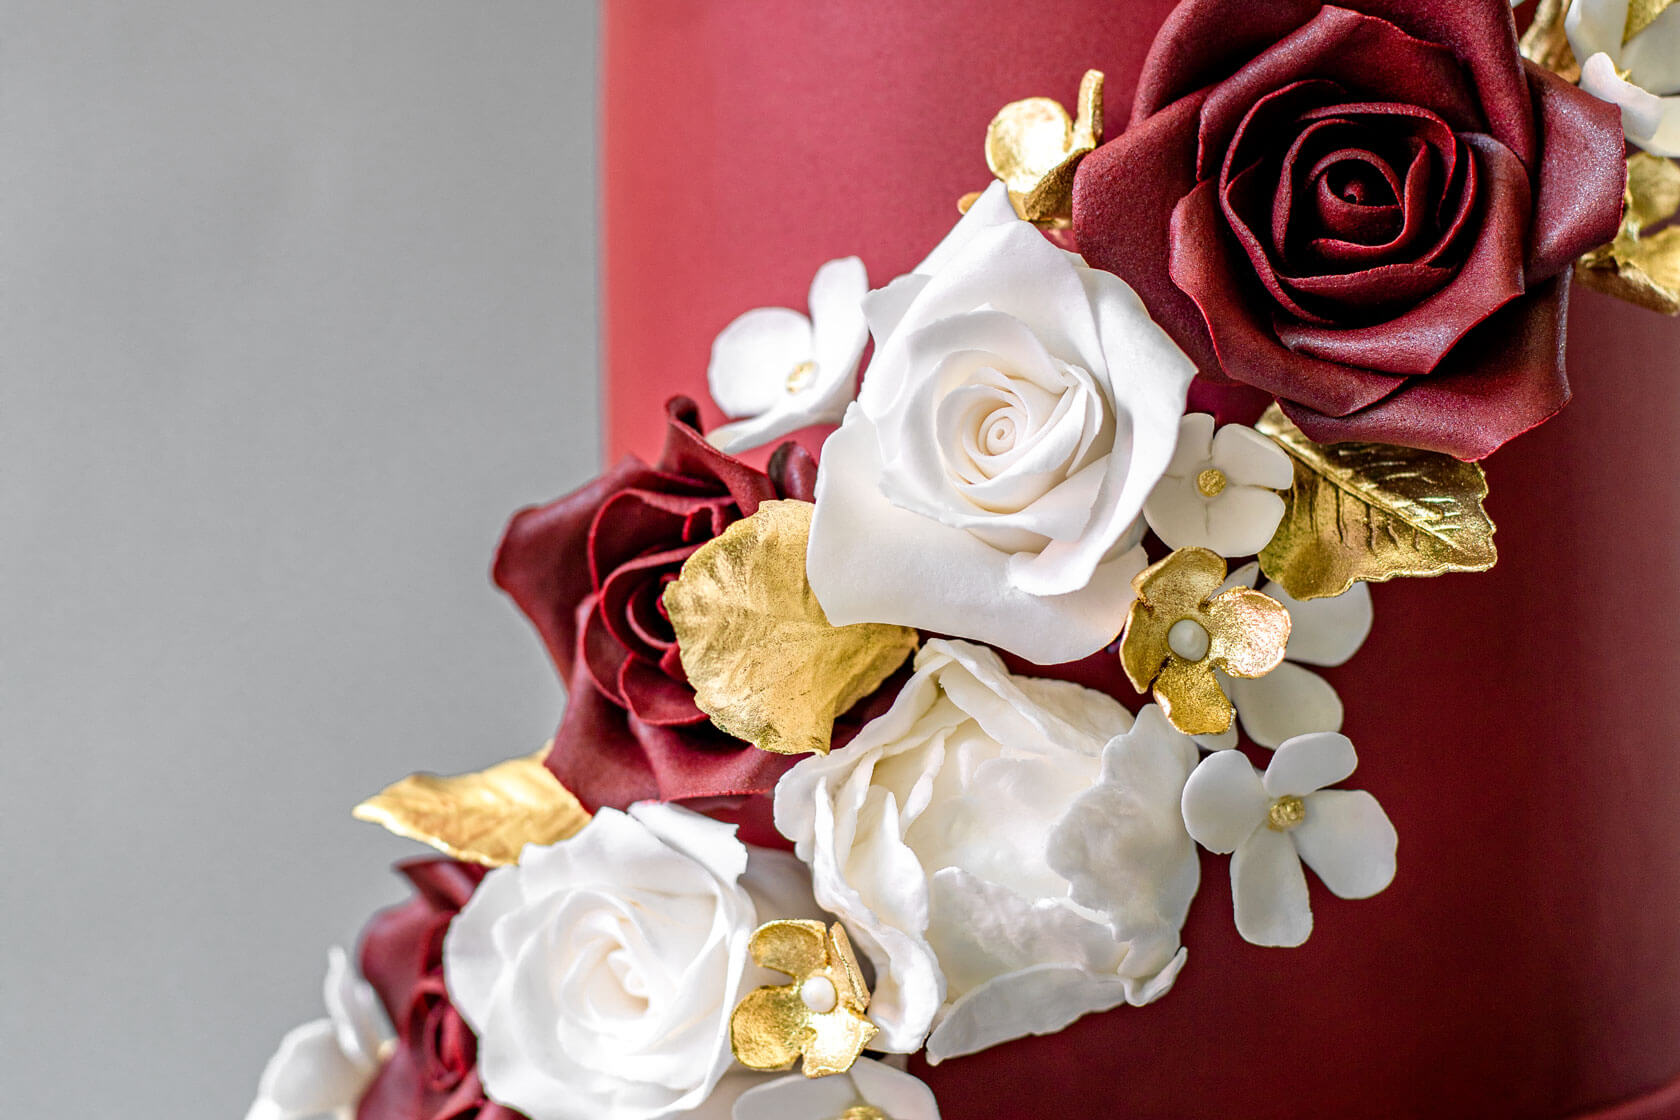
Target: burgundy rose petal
[1354, 51]
[601, 656]
[1205, 41]
[540, 560]
[629, 595]
[1505, 379]
[1415, 342]
[633, 522]
[1123, 199]
[688, 454]
[595, 754]
[1202, 261]
[793, 472]
[1583, 172]
[655, 698]
[682, 770]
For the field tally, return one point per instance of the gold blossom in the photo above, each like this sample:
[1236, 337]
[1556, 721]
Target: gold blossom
[1034, 147]
[1182, 627]
[818, 1017]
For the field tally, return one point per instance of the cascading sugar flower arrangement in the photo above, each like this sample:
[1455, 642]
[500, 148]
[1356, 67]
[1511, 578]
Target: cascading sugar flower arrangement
[825, 786]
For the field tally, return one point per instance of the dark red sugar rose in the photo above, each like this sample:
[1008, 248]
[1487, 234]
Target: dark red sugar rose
[432, 1074]
[589, 570]
[1368, 211]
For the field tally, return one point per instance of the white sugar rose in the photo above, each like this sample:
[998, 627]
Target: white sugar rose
[600, 973]
[929, 836]
[323, 1067]
[1640, 72]
[988, 481]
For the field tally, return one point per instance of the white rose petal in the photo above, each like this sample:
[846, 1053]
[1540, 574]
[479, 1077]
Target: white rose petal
[795, 1097]
[785, 372]
[600, 973]
[990, 478]
[1243, 513]
[930, 836]
[323, 1067]
[1273, 824]
[1649, 94]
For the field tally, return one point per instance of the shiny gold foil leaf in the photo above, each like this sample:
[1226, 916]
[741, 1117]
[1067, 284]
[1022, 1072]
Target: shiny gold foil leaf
[1182, 627]
[820, 1016]
[764, 661]
[1639, 267]
[484, 818]
[1035, 147]
[1370, 511]
[1546, 44]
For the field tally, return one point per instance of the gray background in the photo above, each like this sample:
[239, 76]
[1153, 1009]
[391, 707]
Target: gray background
[297, 304]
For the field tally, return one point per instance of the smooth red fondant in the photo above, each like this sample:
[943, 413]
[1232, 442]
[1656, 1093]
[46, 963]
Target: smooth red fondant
[1519, 726]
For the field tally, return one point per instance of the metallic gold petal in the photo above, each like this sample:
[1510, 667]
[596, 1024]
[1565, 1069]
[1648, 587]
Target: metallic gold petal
[764, 661]
[1546, 44]
[768, 1029]
[1143, 644]
[1642, 14]
[1653, 191]
[839, 1037]
[1034, 148]
[1247, 632]
[1641, 269]
[796, 948]
[1180, 583]
[1191, 699]
[1369, 511]
[484, 818]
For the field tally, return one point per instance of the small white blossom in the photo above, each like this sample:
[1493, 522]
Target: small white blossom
[1275, 822]
[323, 1067]
[782, 371]
[1219, 490]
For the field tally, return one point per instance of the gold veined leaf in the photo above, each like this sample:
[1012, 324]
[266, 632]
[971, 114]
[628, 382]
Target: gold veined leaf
[1371, 511]
[1642, 14]
[484, 818]
[1546, 44]
[1640, 268]
[764, 661]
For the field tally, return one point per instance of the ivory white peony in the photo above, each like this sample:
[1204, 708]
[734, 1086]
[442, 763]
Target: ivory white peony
[988, 481]
[930, 835]
[600, 973]
[322, 1068]
[1638, 72]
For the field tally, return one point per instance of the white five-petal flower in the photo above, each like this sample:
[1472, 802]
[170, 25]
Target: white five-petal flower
[1639, 73]
[782, 371]
[1291, 700]
[1273, 823]
[868, 1084]
[323, 1067]
[1219, 490]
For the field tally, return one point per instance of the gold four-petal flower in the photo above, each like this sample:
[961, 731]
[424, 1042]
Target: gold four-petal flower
[818, 1017]
[1182, 627]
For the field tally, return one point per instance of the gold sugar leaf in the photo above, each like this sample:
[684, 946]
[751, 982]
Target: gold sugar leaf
[1638, 267]
[763, 659]
[1035, 147]
[1545, 43]
[484, 818]
[1372, 512]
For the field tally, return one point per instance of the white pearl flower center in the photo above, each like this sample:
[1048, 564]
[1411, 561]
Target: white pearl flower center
[1189, 640]
[818, 994]
[1286, 814]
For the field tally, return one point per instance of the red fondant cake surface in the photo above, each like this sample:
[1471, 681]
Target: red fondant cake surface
[1520, 726]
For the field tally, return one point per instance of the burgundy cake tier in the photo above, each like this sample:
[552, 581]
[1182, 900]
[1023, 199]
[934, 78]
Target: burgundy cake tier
[1519, 726]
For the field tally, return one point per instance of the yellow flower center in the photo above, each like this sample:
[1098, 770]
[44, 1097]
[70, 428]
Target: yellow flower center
[1210, 482]
[801, 376]
[863, 1112]
[1286, 813]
